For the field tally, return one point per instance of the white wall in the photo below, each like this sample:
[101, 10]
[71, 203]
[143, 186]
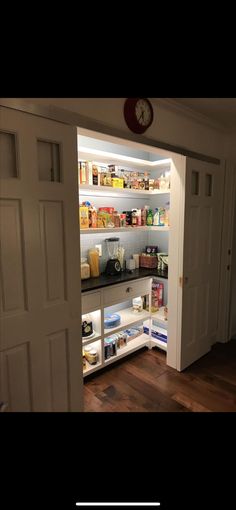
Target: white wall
[168, 126]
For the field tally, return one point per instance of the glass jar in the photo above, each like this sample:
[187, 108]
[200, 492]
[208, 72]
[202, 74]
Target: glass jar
[91, 356]
[85, 269]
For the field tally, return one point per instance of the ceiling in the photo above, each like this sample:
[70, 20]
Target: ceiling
[220, 110]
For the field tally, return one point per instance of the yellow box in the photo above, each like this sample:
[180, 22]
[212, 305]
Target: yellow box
[117, 183]
[84, 217]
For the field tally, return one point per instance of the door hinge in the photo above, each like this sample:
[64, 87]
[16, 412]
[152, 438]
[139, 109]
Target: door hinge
[181, 281]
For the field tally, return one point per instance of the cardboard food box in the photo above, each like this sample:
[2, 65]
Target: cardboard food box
[84, 216]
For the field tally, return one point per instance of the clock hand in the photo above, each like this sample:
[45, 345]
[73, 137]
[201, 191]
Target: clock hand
[141, 116]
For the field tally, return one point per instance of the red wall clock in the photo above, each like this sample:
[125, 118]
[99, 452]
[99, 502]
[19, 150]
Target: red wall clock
[138, 114]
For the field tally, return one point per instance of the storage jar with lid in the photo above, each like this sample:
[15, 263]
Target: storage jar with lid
[94, 262]
[85, 269]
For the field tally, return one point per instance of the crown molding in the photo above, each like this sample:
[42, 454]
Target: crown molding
[174, 106]
[76, 119]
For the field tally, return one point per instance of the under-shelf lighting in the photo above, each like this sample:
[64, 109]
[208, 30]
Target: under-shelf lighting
[121, 157]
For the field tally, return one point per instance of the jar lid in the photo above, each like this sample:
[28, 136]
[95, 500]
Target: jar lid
[83, 260]
[88, 348]
[93, 351]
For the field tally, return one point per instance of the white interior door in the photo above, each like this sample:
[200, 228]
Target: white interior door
[40, 341]
[204, 189]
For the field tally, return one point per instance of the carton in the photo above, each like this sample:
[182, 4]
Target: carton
[84, 216]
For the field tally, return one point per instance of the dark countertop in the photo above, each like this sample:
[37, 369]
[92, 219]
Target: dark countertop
[103, 280]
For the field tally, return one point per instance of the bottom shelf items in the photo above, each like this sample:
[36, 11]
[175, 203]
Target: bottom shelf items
[92, 357]
[132, 345]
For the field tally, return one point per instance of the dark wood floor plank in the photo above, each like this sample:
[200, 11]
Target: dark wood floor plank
[143, 382]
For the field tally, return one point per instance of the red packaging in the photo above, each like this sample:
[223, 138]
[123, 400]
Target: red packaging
[157, 294]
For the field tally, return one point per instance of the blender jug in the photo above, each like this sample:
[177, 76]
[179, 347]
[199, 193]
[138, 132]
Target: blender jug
[113, 266]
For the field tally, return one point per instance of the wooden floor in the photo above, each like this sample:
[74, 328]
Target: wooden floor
[142, 382]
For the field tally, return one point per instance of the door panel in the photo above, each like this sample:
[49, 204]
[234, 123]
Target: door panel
[52, 238]
[13, 296]
[15, 378]
[40, 273]
[201, 259]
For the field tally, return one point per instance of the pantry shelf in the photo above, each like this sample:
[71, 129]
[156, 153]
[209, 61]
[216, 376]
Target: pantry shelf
[86, 341]
[133, 345]
[92, 369]
[159, 343]
[123, 229]
[102, 191]
[159, 316]
[128, 318]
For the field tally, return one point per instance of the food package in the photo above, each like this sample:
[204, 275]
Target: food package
[84, 216]
[104, 220]
[117, 182]
[157, 296]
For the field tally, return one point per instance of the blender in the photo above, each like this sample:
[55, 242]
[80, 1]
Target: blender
[113, 266]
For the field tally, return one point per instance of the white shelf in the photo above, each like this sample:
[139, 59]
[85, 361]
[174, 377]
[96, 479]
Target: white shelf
[87, 341]
[93, 190]
[159, 316]
[122, 229]
[128, 162]
[159, 343]
[128, 318]
[91, 368]
[132, 346]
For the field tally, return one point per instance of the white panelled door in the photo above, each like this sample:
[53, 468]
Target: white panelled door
[204, 190]
[40, 341]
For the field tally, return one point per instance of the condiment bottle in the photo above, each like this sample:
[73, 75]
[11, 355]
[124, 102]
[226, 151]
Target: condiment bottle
[150, 217]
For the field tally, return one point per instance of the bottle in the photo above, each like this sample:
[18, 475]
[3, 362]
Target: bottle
[95, 175]
[134, 217]
[146, 181]
[139, 218]
[150, 217]
[161, 217]
[156, 217]
[167, 214]
[144, 216]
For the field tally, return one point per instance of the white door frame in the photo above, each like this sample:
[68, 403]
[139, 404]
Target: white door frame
[226, 253]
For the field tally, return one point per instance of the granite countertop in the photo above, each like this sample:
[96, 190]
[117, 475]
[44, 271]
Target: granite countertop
[103, 280]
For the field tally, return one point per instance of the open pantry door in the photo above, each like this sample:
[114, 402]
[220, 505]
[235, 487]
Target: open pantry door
[204, 190]
[40, 315]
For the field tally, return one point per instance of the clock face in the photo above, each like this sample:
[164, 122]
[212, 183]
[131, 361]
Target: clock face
[138, 113]
[143, 112]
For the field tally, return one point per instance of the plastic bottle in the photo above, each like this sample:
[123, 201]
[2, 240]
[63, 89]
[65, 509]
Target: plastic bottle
[161, 217]
[156, 217]
[167, 214]
[150, 217]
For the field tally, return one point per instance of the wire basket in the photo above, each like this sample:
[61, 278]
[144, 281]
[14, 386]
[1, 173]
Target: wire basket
[148, 261]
